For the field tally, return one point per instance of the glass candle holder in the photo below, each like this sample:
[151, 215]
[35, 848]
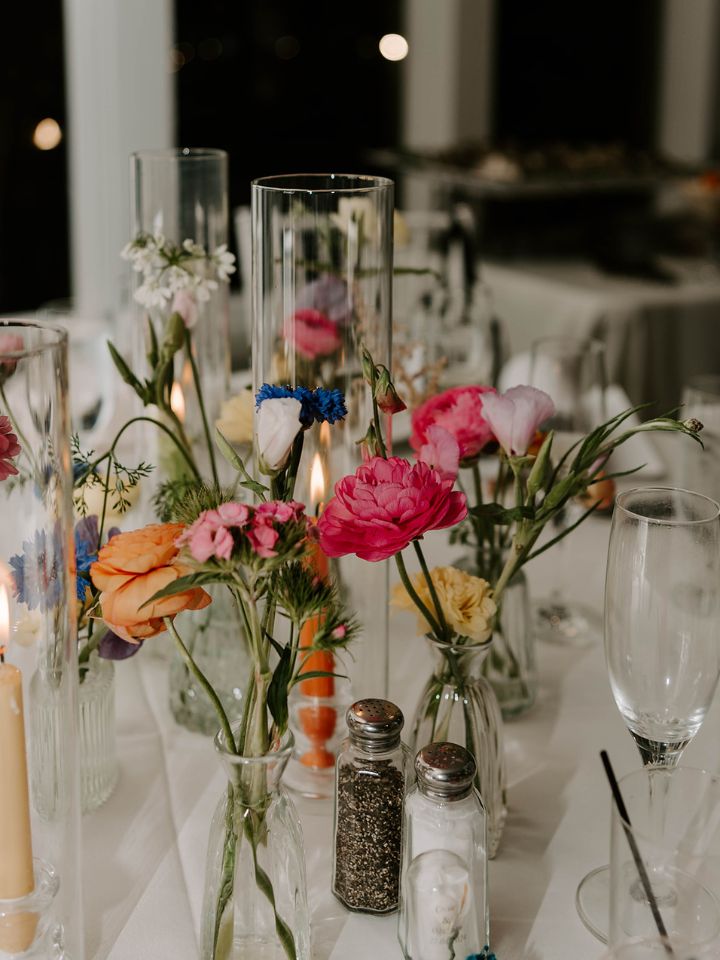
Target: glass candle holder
[322, 289]
[39, 779]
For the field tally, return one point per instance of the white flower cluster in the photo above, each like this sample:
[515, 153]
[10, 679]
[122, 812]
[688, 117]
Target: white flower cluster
[168, 270]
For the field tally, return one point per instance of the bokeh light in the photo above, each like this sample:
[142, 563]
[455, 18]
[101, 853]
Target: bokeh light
[47, 134]
[393, 46]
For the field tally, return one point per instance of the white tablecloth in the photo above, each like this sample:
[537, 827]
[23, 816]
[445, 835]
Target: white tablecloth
[656, 334]
[144, 850]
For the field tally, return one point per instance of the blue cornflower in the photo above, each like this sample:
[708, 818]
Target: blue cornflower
[35, 572]
[317, 405]
[86, 550]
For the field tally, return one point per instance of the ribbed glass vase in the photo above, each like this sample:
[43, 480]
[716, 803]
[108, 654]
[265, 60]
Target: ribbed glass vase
[98, 746]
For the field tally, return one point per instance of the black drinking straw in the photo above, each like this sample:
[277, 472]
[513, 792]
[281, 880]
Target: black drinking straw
[644, 879]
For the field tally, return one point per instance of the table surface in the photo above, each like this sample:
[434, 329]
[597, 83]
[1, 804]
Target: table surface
[144, 850]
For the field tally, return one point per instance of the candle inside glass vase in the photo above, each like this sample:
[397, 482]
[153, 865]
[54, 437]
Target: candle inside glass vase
[17, 930]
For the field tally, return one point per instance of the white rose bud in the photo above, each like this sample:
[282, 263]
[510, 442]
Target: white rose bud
[277, 425]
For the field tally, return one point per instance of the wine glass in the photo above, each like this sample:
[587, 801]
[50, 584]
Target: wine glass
[662, 647]
[573, 373]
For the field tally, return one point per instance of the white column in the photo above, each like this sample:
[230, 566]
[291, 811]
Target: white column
[688, 79]
[120, 99]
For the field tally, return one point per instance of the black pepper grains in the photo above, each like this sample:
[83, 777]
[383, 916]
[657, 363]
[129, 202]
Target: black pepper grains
[371, 779]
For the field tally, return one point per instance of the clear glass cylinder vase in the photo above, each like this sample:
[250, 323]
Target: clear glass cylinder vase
[98, 744]
[39, 772]
[322, 289]
[459, 705]
[216, 640]
[255, 905]
[181, 196]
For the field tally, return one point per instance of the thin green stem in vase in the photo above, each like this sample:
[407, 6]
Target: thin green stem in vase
[201, 404]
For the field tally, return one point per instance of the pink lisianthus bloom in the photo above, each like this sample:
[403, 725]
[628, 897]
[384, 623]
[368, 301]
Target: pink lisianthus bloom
[515, 415]
[9, 343]
[459, 411]
[441, 451]
[384, 506]
[9, 448]
[185, 304]
[208, 537]
[312, 333]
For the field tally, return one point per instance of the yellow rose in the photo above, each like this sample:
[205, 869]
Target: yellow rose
[236, 418]
[466, 601]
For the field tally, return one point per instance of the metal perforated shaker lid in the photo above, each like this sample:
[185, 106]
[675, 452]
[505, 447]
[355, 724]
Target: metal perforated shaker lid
[375, 724]
[445, 770]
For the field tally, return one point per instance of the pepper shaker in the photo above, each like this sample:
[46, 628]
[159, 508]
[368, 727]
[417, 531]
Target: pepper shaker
[371, 778]
[444, 902]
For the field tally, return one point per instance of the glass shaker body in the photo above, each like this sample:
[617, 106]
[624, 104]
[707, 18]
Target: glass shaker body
[370, 785]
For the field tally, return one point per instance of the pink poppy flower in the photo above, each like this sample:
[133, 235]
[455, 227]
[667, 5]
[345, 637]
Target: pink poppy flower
[441, 451]
[313, 333]
[459, 411]
[9, 448]
[384, 506]
[515, 415]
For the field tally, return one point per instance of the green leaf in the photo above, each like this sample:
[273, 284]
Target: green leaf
[236, 461]
[181, 584]
[311, 674]
[502, 516]
[126, 373]
[277, 695]
[538, 474]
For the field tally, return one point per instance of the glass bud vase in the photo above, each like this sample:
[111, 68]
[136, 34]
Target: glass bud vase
[510, 665]
[98, 746]
[255, 905]
[322, 289]
[459, 705]
[215, 638]
[39, 772]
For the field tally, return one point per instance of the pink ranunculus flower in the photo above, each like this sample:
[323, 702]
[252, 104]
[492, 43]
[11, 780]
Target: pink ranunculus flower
[441, 451]
[9, 343]
[515, 415]
[207, 537]
[312, 333]
[384, 506]
[459, 411]
[9, 448]
[185, 304]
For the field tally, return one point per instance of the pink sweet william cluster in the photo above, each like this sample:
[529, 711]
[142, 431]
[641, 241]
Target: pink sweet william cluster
[234, 526]
[386, 505]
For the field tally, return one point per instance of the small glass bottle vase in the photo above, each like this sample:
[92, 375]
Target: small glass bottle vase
[255, 905]
[216, 640]
[510, 665]
[98, 747]
[459, 705]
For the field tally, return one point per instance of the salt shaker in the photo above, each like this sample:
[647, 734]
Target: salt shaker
[444, 902]
[371, 779]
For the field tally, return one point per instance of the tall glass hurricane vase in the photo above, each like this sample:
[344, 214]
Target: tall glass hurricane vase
[322, 287]
[40, 906]
[180, 206]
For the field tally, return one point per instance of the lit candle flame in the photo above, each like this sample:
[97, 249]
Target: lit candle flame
[325, 434]
[318, 482]
[177, 402]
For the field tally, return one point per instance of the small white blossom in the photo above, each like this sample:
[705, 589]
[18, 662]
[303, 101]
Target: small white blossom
[224, 262]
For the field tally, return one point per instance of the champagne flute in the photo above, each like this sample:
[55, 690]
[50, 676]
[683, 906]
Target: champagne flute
[662, 599]
[573, 373]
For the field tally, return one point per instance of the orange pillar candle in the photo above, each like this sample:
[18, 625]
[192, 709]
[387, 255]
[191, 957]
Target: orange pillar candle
[16, 858]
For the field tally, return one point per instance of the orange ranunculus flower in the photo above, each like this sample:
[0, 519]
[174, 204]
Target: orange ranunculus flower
[130, 569]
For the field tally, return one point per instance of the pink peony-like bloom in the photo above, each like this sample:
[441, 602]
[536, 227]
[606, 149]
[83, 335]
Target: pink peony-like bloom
[384, 506]
[9, 343]
[515, 415]
[459, 411]
[441, 451]
[9, 448]
[313, 333]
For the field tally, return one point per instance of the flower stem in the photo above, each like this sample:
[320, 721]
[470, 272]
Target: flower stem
[412, 592]
[204, 683]
[111, 450]
[201, 404]
[433, 592]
